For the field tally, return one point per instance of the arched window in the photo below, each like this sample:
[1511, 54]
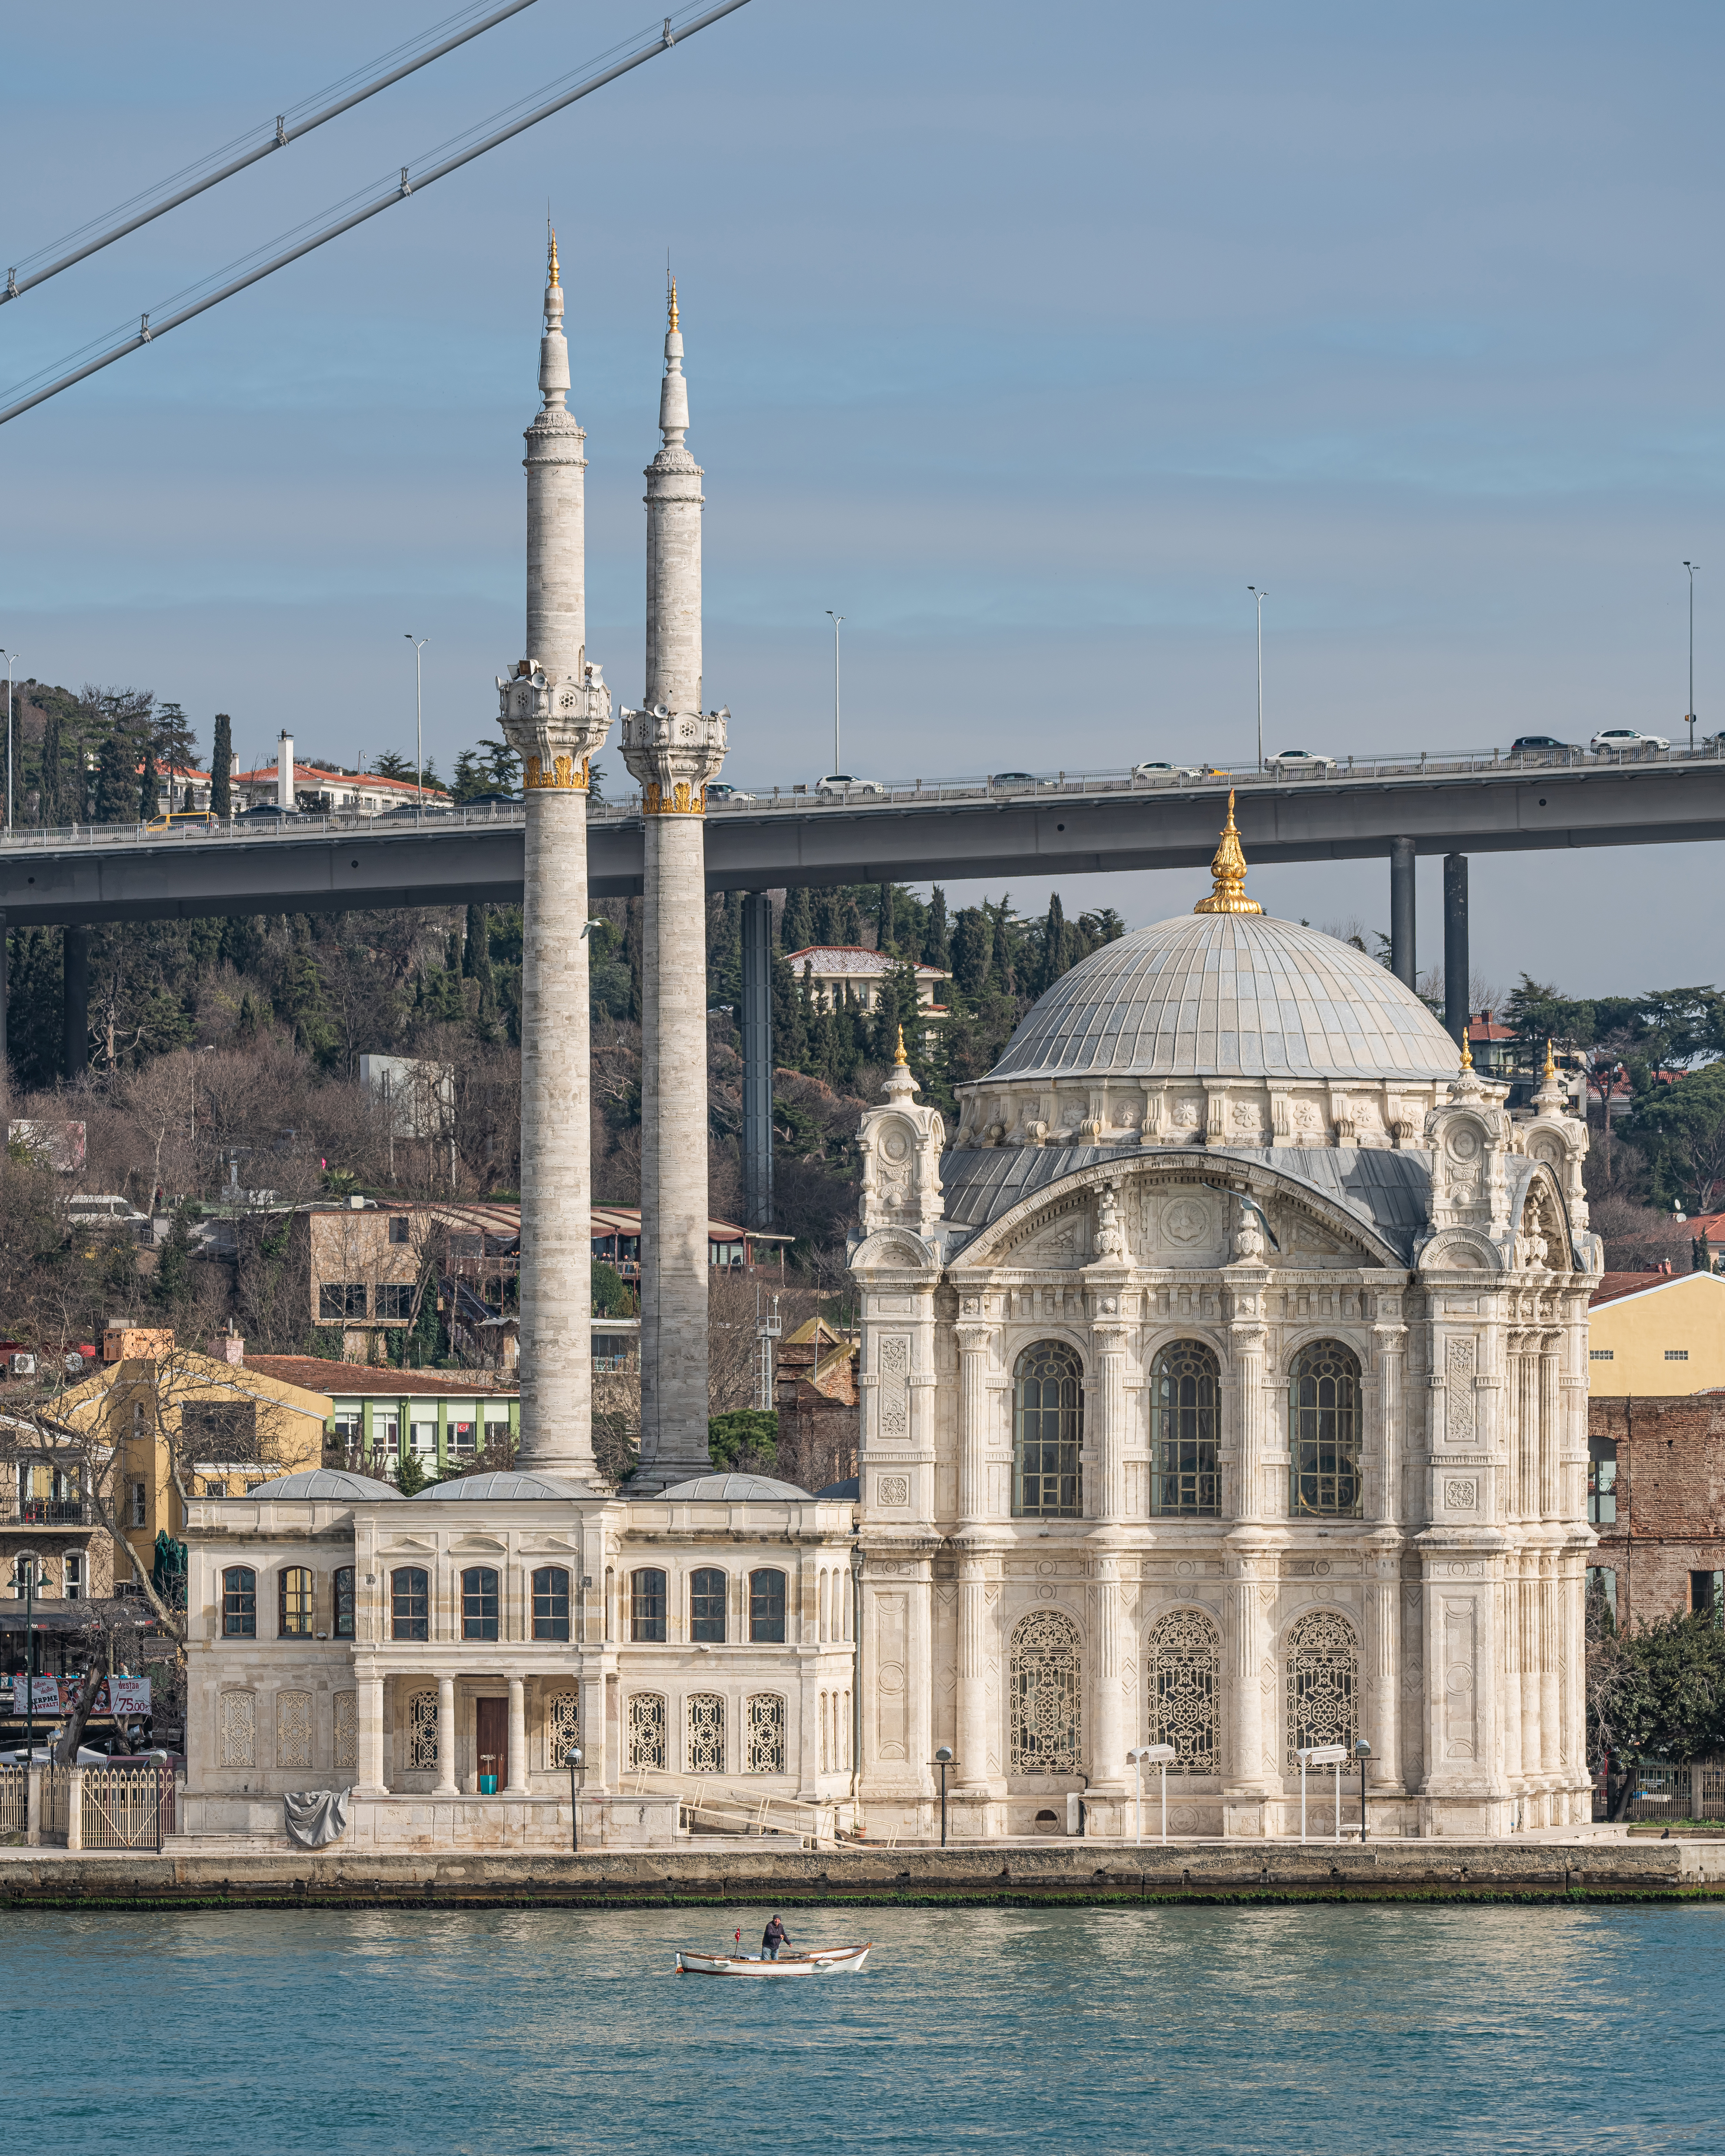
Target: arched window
[1182, 1655]
[707, 1605]
[478, 1602]
[1322, 1683]
[563, 1726]
[550, 1602]
[239, 1603]
[646, 1606]
[706, 1733]
[410, 1605]
[1185, 1390]
[646, 1732]
[1046, 1684]
[294, 1603]
[1047, 1429]
[767, 1609]
[764, 1751]
[344, 1608]
[1323, 1431]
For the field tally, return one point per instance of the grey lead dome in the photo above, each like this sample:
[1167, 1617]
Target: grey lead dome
[1230, 995]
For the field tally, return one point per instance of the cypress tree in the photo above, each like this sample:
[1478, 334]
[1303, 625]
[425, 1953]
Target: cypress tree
[149, 792]
[935, 950]
[796, 924]
[829, 920]
[47, 783]
[790, 1039]
[883, 919]
[221, 766]
[116, 786]
[972, 949]
[850, 922]
[1054, 943]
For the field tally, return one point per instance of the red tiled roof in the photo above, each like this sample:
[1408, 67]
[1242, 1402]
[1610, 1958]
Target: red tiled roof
[1613, 1286]
[316, 1375]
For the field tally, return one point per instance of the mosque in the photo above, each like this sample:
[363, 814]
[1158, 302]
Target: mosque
[1223, 1381]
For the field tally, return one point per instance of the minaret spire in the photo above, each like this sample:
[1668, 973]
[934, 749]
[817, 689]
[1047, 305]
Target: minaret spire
[554, 345]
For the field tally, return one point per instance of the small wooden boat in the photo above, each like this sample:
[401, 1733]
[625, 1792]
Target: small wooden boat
[818, 1961]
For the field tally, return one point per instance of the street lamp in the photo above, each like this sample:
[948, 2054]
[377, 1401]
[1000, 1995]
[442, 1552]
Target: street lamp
[28, 1574]
[418, 722]
[11, 659]
[1155, 1755]
[572, 1760]
[1691, 566]
[1361, 1752]
[1260, 597]
[943, 1759]
[1322, 1755]
[835, 618]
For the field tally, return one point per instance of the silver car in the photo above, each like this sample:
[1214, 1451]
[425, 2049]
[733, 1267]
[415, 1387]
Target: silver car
[842, 784]
[1300, 759]
[1156, 771]
[1625, 741]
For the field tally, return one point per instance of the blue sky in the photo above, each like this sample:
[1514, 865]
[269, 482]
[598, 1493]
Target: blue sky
[1027, 339]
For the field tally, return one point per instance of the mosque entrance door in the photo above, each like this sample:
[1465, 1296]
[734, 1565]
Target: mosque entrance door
[491, 1733]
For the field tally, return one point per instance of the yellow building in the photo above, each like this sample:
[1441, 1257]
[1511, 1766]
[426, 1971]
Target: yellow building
[187, 1425]
[1654, 1334]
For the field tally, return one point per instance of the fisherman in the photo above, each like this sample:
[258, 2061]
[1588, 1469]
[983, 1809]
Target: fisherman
[772, 1939]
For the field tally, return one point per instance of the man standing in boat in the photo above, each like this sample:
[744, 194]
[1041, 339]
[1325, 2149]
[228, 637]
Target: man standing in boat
[772, 1939]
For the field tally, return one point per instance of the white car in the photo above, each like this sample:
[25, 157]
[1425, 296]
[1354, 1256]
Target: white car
[1300, 759]
[723, 795]
[1155, 771]
[843, 785]
[1623, 739]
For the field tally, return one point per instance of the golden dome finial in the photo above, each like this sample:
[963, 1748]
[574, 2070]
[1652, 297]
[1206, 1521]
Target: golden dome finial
[552, 278]
[1550, 1062]
[673, 305]
[1466, 1052]
[900, 1057]
[1229, 871]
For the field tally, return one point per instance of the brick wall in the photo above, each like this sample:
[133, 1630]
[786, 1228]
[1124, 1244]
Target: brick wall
[1670, 1498]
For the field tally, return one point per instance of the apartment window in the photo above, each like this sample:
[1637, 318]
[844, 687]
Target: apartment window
[1706, 1595]
[424, 1436]
[767, 1607]
[386, 1435]
[706, 1605]
[239, 1603]
[646, 1607]
[344, 1602]
[463, 1437]
[1676, 1354]
[72, 1573]
[398, 1227]
[410, 1602]
[395, 1299]
[344, 1427]
[478, 1602]
[140, 1504]
[294, 1603]
[1602, 1354]
[550, 1602]
[1602, 1482]
[340, 1301]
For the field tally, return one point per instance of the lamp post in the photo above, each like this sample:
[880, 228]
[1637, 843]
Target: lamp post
[1260, 597]
[11, 658]
[1691, 566]
[28, 1573]
[943, 1759]
[1322, 1755]
[1361, 1752]
[1155, 1755]
[835, 618]
[418, 646]
[572, 1760]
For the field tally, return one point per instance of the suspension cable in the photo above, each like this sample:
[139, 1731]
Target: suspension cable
[408, 182]
[287, 127]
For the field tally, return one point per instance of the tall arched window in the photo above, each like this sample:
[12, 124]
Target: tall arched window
[1045, 1687]
[410, 1604]
[646, 1732]
[1047, 1429]
[1183, 1655]
[1322, 1683]
[344, 1606]
[239, 1603]
[707, 1605]
[646, 1606]
[706, 1733]
[763, 1744]
[478, 1602]
[1185, 1390]
[550, 1602]
[767, 1607]
[1323, 1432]
[294, 1602]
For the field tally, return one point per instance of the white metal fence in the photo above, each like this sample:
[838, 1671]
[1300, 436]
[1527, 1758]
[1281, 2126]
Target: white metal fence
[127, 1807]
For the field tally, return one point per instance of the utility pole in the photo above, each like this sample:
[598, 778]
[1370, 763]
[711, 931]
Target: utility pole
[835, 618]
[1692, 567]
[418, 724]
[1260, 597]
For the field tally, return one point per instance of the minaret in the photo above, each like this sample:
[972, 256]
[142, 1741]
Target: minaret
[556, 710]
[674, 749]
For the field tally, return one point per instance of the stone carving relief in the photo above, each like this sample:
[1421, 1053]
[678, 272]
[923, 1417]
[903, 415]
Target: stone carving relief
[1460, 1360]
[346, 1729]
[1462, 1494]
[1458, 1700]
[1186, 1221]
[293, 1729]
[1110, 1232]
[892, 1489]
[893, 1365]
[238, 1729]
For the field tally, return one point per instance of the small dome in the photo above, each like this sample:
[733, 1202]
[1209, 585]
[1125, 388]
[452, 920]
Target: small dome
[853, 1488]
[505, 1484]
[722, 1488]
[326, 1482]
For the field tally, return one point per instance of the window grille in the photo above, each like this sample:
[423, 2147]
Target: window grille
[293, 1729]
[1676, 1354]
[646, 1732]
[1185, 1388]
[238, 1729]
[1602, 1354]
[239, 1603]
[346, 1729]
[706, 1733]
[293, 1604]
[765, 1753]
[422, 1731]
[1323, 1431]
[410, 1604]
[478, 1602]
[344, 1602]
[1046, 1684]
[563, 1726]
[707, 1605]
[766, 1607]
[1322, 1684]
[646, 1602]
[550, 1603]
[1184, 1658]
[1048, 1430]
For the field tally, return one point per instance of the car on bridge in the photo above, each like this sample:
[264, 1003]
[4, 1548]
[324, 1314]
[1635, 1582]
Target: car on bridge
[1300, 759]
[1153, 772]
[1012, 778]
[261, 811]
[1542, 744]
[727, 795]
[1624, 741]
[843, 785]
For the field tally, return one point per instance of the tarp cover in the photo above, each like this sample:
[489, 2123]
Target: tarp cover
[316, 1816]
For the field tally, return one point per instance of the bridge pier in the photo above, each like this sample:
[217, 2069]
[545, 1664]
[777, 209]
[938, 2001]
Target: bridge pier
[5, 1068]
[1455, 961]
[74, 989]
[756, 1018]
[1403, 861]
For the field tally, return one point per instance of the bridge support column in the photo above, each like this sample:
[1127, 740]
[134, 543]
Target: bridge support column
[1456, 962]
[4, 1071]
[75, 991]
[1402, 863]
[756, 1016]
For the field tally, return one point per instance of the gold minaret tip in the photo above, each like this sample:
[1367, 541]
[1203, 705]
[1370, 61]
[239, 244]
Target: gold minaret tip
[552, 278]
[1466, 1052]
[1550, 1062]
[1229, 871]
[900, 1057]
[673, 304]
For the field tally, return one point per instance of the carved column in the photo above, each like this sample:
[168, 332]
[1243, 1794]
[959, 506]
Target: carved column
[973, 1345]
[1111, 1726]
[516, 1783]
[1528, 1433]
[975, 1629]
[1253, 1499]
[1550, 1428]
[1528, 1661]
[1510, 1661]
[1383, 1650]
[369, 1753]
[446, 1739]
[1550, 1705]
[1108, 1337]
[1391, 1341]
[1243, 1701]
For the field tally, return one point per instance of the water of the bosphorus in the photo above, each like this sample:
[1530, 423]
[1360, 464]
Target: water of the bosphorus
[1333, 2031]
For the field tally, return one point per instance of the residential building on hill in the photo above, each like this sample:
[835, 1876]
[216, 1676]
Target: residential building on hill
[836, 971]
[445, 1418]
[1657, 1335]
